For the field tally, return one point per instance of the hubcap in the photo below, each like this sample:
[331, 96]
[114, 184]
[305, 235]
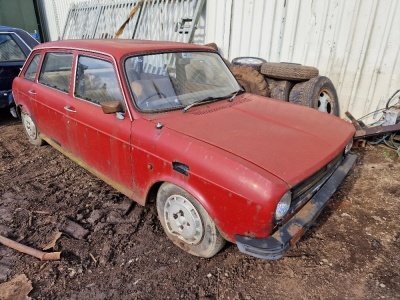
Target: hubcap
[183, 220]
[325, 103]
[29, 126]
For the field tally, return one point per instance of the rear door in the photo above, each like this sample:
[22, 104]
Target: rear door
[52, 95]
[100, 140]
[24, 86]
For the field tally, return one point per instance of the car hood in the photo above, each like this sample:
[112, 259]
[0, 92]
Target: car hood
[287, 140]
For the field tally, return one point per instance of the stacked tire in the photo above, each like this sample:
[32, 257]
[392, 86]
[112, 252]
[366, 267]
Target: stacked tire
[295, 83]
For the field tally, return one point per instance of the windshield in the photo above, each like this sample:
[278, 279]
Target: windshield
[175, 80]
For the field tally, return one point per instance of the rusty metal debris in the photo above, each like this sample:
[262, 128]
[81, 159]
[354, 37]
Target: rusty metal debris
[28, 250]
[364, 132]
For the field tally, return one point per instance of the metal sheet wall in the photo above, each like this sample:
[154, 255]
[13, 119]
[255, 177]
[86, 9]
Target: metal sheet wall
[356, 43]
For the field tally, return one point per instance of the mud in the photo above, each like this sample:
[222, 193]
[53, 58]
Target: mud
[119, 251]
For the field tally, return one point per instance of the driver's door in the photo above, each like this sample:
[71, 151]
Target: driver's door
[100, 140]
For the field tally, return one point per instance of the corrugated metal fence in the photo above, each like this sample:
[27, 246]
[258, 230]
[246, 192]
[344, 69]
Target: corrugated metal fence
[356, 43]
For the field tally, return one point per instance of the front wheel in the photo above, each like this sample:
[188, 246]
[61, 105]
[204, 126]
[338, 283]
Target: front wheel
[187, 223]
[31, 129]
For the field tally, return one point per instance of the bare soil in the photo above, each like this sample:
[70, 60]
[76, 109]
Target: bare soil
[121, 252]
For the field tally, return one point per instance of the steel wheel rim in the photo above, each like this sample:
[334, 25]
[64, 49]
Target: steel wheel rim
[183, 220]
[29, 126]
[325, 103]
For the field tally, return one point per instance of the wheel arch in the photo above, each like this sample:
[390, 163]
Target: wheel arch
[200, 197]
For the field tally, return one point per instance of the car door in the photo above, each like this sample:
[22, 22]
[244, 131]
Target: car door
[24, 86]
[52, 94]
[101, 141]
[12, 58]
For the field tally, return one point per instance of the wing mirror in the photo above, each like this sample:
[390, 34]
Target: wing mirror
[111, 107]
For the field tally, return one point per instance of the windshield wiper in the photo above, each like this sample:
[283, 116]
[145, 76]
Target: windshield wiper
[212, 99]
[234, 94]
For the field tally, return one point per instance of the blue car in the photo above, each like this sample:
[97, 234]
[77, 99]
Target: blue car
[15, 46]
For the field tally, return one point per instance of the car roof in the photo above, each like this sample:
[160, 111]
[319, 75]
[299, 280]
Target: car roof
[121, 47]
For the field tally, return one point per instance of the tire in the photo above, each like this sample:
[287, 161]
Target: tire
[227, 62]
[253, 62]
[288, 71]
[212, 45]
[251, 80]
[177, 211]
[31, 129]
[279, 89]
[319, 93]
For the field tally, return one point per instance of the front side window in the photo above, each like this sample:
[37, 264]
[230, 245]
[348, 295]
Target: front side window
[31, 70]
[174, 80]
[96, 81]
[56, 70]
[9, 49]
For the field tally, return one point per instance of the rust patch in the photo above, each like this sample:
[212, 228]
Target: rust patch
[250, 234]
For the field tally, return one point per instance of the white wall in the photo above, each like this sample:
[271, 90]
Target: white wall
[356, 43]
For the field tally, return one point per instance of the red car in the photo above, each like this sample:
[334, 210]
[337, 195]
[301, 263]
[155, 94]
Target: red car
[168, 122]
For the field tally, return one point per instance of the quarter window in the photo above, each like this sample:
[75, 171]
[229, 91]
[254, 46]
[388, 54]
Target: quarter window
[56, 70]
[30, 72]
[96, 81]
[9, 50]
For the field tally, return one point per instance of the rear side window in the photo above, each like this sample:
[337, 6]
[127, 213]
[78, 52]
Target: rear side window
[9, 50]
[96, 81]
[31, 70]
[56, 70]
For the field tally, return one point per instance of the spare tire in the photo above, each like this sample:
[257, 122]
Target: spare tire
[319, 92]
[288, 71]
[279, 89]
[251, 80]
[249, 61]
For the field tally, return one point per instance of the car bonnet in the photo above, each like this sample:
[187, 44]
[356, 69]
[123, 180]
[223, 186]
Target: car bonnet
[287, 140]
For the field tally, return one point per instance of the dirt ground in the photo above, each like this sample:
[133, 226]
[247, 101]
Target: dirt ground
[121, 252]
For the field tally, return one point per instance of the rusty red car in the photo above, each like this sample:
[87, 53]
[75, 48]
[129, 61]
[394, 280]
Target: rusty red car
[167, 124]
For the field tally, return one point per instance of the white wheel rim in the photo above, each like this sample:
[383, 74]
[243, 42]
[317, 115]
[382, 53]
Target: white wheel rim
[325, 103]
[29, 126]
[183, 220]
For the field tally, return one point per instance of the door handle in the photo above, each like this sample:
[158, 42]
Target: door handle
[32, 92]
[70, 109]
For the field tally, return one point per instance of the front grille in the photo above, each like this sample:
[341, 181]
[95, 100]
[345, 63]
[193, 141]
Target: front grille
[304, 186]
[303, 192]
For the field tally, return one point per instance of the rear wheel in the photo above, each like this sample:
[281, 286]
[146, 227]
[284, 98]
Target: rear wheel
[31, 129]
[187, 223]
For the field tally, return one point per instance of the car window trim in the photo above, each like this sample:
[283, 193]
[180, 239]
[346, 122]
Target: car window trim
[29, 63]
[92, 54]
[135, 54]
[41, 67]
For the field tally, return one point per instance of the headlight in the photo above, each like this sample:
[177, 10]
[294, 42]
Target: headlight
[348, 147]
[283, 206]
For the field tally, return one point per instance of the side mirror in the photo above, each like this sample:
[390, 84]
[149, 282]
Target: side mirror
[111, 107]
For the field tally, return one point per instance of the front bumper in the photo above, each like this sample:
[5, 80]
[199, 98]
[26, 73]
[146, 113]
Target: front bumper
[274, 247]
